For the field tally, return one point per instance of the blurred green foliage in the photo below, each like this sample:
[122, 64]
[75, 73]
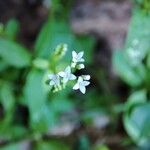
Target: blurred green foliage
[132, 65]
[28, 110]
[144, 4]
[23, 75]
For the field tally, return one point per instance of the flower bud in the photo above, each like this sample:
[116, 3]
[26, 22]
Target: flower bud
[80, 66]
[86, 77]
[73, 65]
[60, 51]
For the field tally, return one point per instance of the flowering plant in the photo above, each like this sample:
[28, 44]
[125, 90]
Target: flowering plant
[58, 81]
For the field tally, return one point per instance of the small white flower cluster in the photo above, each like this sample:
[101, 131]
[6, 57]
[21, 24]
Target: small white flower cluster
[134, 54]
[59, 80]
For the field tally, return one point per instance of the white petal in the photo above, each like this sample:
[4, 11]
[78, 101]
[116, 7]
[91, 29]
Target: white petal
[50, 76]
[62, 74]
[51, 83]
[76, 86]
[80, 79]
[65, 80]
[85, 83]
[81, 66]
[82, 89]
[80, 55]
[57, 82]
[74, 60]
[74, 54]
[68, 70]
[81, 60]
[86, 77]
[72, 77]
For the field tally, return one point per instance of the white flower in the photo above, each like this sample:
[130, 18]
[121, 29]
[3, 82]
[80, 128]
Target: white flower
[133, 53]
[80, 66]
[135, 56]
[81, 85]
[77, 57]
[86, 77]
[67, 75]
[135, 42]
[54, 79]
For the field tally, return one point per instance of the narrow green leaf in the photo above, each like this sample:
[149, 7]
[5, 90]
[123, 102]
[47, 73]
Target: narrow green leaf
[7, 96]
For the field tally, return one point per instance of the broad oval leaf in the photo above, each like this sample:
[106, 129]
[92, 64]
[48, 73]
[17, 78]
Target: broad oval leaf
[14, 54]
[138, 37]
[137, 124]
[36, 96]
[129, 74]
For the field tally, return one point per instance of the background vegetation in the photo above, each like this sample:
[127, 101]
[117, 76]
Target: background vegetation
[113, 114]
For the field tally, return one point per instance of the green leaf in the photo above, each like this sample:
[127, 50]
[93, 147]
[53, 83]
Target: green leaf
[61, 105]
[130, 75]
[3, 65]
[7, 96]
[101, 147]
[7, 99]
[138, 36]
[139, 1]
[11, 147]
[83, 143]
[36, 96]
[57, 32]
[7, 129]
[12, 132]
[136, 98]
[137, 124]
[52, 34]
[15, 146]
[51, 145]
[1, 29]
[11, 29]
[14, 54]
[137, 118]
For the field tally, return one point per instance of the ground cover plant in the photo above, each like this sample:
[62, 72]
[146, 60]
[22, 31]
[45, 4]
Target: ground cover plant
[54, 96]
